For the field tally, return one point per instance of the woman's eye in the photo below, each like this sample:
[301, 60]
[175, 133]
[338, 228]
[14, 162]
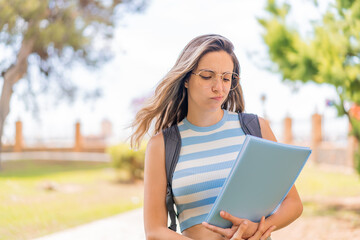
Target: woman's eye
[206, 75]
[227, 77]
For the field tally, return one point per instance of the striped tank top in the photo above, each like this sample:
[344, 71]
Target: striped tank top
[206, 157]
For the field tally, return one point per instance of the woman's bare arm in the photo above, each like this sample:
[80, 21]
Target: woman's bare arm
[155, 213]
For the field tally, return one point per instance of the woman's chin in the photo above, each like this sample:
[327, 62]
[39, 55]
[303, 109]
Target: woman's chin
[214, 108]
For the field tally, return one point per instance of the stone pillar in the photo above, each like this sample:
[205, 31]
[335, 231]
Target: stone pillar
[316, 131]
[316, 136]
[288, 136]
[18, 137]
[106, 128]
[78, 138]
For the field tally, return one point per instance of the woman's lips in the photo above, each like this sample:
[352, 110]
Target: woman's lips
[217, 98]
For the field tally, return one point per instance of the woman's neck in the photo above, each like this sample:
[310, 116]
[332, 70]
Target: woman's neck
[204, 119]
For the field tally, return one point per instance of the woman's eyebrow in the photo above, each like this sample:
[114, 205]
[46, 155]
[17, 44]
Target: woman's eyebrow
[205, 69]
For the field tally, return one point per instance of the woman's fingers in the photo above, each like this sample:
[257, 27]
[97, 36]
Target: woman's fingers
[231, 218]
[221, 231]
[267, 233]
[260, 231]
[240, 231]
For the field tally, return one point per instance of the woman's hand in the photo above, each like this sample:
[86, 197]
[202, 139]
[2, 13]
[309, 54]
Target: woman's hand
[242, 228]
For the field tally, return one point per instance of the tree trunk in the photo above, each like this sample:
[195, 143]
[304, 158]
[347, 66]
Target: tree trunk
[11, 76]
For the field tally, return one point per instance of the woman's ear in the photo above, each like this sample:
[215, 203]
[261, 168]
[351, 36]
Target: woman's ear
[186, 83]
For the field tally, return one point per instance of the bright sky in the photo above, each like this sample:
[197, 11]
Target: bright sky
[145, 48]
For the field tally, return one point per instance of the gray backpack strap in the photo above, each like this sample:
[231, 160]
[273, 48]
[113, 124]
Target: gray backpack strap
[250, 124]
[172, 141]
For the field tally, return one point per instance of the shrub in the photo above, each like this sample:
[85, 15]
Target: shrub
[128, 162]
[357, 159]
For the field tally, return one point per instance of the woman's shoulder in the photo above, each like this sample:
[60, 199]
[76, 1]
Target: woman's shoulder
[155, 150]
[156, 141]
[263, 122]
[266, 131]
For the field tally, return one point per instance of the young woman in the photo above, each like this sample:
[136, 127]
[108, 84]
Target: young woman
[201, 94]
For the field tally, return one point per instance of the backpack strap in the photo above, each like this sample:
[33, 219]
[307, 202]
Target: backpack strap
[172, 141]
[250, 125]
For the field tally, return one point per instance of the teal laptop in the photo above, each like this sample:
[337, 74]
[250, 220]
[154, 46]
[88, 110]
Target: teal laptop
[261, 177]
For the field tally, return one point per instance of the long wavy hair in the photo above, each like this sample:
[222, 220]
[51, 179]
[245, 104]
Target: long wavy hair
[169, 105]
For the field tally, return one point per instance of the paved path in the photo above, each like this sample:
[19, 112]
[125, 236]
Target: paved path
[129, 226]
[126, 226]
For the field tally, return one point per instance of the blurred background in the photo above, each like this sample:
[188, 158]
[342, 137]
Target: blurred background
[75, 72]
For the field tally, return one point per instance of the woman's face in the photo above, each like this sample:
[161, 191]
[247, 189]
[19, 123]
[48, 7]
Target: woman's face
[211, 95]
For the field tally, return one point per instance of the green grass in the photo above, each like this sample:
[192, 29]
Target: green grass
[83, 191]
[324, 194]
[314, 181]
[86, 191]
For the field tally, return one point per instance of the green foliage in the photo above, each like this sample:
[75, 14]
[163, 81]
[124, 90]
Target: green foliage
[357, 160]
[331, 55]
[58, 25]
[62, 33]
[355, 131]
[128, 161]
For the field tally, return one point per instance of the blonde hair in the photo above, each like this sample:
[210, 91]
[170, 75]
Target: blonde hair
[168, 106]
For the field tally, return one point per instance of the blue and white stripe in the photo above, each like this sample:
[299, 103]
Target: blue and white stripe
[206, 157]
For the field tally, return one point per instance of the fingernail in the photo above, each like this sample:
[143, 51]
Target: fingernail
[245, 222]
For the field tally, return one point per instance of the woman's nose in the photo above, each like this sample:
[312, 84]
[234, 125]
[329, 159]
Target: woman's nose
[217, 83]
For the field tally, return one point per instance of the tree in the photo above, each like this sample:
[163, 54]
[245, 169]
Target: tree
[331, 55]
[54, 34]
